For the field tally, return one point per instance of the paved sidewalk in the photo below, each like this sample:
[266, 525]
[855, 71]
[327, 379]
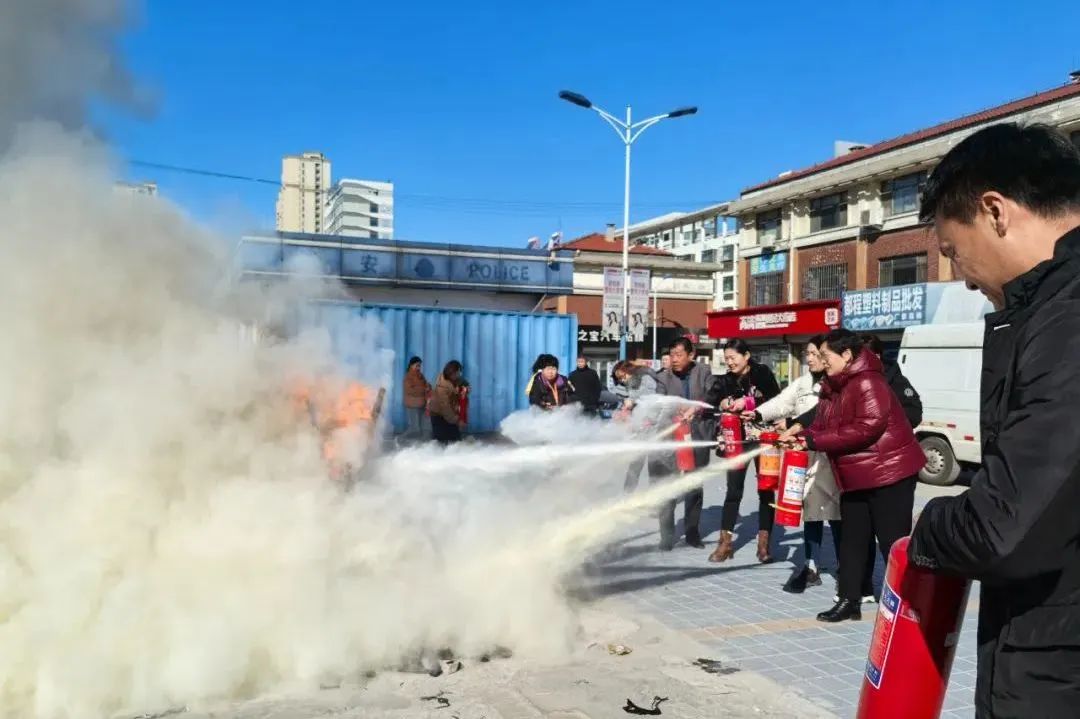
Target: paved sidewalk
[739, 610]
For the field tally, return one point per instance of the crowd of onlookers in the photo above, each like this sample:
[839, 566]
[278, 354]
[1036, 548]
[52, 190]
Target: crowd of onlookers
[852, 411]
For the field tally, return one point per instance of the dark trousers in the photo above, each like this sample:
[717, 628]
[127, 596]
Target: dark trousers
[883, 513]
[692, 504]
[633, 474]
[736, 481]
[443, 432]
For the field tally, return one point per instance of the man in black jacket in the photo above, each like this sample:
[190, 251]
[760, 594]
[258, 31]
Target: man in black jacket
[901, 387]
[587, 386]
[1006, 207]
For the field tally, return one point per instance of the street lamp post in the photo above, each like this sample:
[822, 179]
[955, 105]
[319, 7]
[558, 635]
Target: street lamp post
[628, 132]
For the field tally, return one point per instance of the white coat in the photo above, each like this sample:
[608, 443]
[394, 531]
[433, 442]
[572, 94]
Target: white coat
[822, 501]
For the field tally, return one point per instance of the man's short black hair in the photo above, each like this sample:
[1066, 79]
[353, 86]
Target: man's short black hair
[1033, 165]
[683, 342]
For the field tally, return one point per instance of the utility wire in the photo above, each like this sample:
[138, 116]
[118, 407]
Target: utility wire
[459, 204]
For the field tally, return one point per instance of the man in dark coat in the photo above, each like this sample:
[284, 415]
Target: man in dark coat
[587, 386]
[1006, 207]
[909, 397]
[690, 380]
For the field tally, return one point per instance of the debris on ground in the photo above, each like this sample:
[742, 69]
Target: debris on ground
[452, 667]
[632, 708]
[497, 653]
[619, 650]
[714, 666]
[440, 698]
[161, 715]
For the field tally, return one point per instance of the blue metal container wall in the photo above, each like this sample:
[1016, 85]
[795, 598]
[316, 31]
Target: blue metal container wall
[497, 350]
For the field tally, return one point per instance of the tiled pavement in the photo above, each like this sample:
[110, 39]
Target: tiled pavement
[739, 610]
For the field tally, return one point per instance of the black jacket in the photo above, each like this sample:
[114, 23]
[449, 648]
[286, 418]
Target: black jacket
[586, 387]
[758, 382]
[543, 395]
[909, 398]
[1017, 529]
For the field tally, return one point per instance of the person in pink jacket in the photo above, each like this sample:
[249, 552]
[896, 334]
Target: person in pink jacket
[860, 425]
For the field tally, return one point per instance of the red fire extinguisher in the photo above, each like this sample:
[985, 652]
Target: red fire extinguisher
[792, 489]
[731, 431]
[768, 467]
[463, 403]
[684, 456]
[914, 640]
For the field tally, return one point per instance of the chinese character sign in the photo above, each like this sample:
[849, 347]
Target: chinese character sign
[612, 307]
[639, 304]
[885, 308]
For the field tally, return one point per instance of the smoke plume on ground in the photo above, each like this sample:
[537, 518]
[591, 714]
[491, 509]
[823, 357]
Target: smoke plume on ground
[168, 533]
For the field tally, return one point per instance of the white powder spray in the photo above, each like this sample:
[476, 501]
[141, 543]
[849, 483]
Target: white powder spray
[168, 535]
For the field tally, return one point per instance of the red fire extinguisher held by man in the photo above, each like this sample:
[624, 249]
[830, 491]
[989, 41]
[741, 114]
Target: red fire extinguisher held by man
[914, 641]
[463, 402]
[684, 456]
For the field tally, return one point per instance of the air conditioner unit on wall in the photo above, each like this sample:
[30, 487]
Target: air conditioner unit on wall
[868, 231]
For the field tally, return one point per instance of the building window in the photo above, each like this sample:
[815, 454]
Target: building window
[905, 270]
[828, 212]
[374, 208]
[767, 289]
[708, 256]
[729, 284]
[827, 282]
[768, 227]
[1075, 137]
[374, 221]
[901, 194]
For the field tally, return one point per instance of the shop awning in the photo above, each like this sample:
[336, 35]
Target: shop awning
[804, 318]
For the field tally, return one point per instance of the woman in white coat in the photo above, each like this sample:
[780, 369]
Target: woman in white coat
[822, 502]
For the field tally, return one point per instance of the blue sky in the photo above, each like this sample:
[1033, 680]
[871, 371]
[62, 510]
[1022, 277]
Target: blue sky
[456, 102]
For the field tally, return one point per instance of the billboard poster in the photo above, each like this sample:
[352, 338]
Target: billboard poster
[639, 304]
[611, 310]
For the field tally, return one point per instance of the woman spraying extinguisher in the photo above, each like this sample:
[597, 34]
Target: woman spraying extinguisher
[746, 385]
[822, 500]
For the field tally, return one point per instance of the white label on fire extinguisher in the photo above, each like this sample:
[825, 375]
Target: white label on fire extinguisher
[884, 627]
[794, 484]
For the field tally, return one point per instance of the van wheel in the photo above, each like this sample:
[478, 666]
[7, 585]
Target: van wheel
[941, 466]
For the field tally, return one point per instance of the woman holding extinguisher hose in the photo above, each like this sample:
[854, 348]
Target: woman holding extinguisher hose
[860, 424]
[746, 385]
[822, 501]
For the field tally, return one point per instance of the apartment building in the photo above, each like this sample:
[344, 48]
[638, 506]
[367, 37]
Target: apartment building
[704, 236]
[360, 208]
[305, 180]
[843, 237]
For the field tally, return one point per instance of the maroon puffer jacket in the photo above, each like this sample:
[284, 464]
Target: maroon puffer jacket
[861, 426]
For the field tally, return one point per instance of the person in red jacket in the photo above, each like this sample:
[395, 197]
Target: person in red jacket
[860, 424]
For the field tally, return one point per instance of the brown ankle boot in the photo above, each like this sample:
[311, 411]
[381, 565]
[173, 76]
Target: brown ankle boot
[724, 550]
[763, 546]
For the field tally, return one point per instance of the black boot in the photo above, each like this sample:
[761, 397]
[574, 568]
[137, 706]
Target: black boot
[799, 581]
[667, 542]
[843, 610]
[693, 539]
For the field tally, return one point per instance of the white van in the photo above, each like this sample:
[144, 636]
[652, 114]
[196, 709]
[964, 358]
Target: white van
[944, 364]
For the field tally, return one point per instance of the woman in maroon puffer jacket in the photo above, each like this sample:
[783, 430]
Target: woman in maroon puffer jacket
[861, 426]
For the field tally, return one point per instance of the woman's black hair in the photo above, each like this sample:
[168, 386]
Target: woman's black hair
[873, 343]
[841, 340]
[451, 367]
[545, 360]
[816, 340]
[413, 360]
[738, 345]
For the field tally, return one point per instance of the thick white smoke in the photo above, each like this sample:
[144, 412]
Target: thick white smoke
[57, 55]
[168, 533]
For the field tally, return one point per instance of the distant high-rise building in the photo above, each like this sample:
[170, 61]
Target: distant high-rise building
[361, 208]
[301, 202]
[137, 188]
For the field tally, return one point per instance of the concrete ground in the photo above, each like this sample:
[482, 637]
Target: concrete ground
[739, 611]
[593, 683]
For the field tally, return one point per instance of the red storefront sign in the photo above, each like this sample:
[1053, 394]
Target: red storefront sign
[805, 318]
